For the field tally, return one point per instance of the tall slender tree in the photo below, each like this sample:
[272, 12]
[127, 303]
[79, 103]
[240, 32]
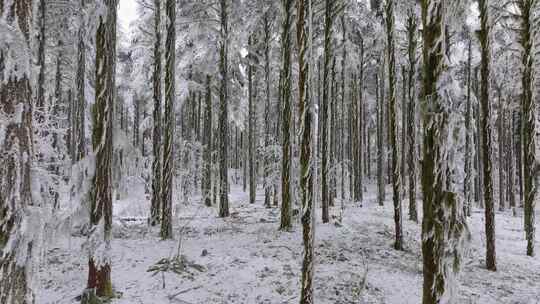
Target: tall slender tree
[251, 124]
[16, 149]
[528, 107]
[484, 37]
[286, 223]
[443, 227]
[207, 144]
[303, 40]
[99, 264]
[468, 133]
[412, 43]
[396, 173]
[169, 122]
[224, 112]
[79, 131]
[155, 209]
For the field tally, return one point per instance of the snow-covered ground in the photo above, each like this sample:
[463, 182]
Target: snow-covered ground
[245, 259]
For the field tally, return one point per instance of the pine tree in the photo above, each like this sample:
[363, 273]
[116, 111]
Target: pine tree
[79, 131]
[207, 145]
[99, 272]
[267, 109]
[169, 123]
[412, 42]
[486, 134]
[224, 113]
[155, 209]
[16, 149]
[468, 130]
[251, 126]
[443, 227]
[381, 191]
[285, 223]
[396, 177]
[528, 108]
[329, 14]
[304, 39]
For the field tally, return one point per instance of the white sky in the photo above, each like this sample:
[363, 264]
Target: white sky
[127, 12]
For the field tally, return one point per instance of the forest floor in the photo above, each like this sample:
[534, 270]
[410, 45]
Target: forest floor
[245, 259]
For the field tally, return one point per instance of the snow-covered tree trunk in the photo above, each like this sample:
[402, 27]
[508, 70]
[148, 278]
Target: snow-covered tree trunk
[155, 207]
[328, 55]
[18, 244]
[380, 142]
[99, 239]
[267, 120]
[467, 184]
[251, 126]
[79, 131]
[285, 223]
[363, 125]
[484, 37]
[396, 170]
[529, 110]
[169, 122]
[501, 123]
[412, 43]
[443, 225]
[224, 112]
[207, 146]
[305, 109]
[40, 95]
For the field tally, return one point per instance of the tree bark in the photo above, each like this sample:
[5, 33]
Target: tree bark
[169, 123]
[16, 150]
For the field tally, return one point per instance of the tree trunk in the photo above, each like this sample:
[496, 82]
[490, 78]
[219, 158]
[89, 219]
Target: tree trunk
[224, 113]
[155, 209]
[412, 27]
[396, 170]
[16, 202]
[486, 136]
[328, 55]
[305, 109]
[99, 263]
[251, 127]
[169, 122]
[267, 105]
[285, 223]
[528, 108]
[443, 226]
[468, 129]
[207, 146]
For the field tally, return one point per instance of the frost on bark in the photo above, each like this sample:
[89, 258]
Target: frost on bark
[305, 110]
[467, 184]
[169, 123]
[79, 131]
[444, 228]
[329, 16]
[207, 145]
[267, 120]
[356, 125]
[380, 142]
[251, 126]
[224, 113]
[489, 209]
[396, 170]
[528, 108]
[285, 223]
[17, 244]
[99, 239]
[155, 207]
[40, 95]
[412, 43]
